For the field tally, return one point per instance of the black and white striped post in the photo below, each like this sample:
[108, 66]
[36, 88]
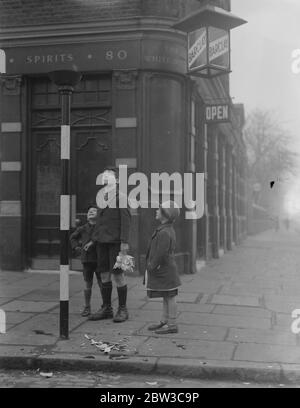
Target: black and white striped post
[65, 80]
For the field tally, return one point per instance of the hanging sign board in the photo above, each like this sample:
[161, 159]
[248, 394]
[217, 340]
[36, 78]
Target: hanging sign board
[208, 51]
[217, 113]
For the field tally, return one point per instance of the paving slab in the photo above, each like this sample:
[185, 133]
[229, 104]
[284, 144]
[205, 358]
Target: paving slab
[205, 286]
[282, 298]
[262, 337]
[29, 306]
[235, 300]
[220, 320]
[283, 321]
[242, 311]
[166, 347]
[283, 306]
[247, 290]
[16, 337]
[13, 318]
[19, 350]
[45, 322]
[191, 332]
[267, 353]
[4, 300]
[13, 292]
[42, 295]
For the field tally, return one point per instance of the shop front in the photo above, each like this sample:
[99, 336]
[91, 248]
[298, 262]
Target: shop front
[136, 106]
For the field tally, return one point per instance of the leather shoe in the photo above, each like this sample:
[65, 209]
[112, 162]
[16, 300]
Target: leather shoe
[86, 311]
[101, 314]
[169, 328]
[121, 315]
[156, 326]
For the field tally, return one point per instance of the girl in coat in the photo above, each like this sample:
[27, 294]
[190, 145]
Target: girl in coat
[162, 278]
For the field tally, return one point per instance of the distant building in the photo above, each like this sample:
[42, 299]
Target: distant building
[135, 105]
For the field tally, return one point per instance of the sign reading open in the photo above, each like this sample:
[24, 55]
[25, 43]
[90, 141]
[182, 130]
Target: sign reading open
[217, 113]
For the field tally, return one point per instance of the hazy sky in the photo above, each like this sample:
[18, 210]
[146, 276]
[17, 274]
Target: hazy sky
[261, 59]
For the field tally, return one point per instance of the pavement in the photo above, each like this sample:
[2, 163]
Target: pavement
[234, 316]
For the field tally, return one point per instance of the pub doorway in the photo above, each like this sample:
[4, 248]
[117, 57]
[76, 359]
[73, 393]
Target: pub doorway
[91, 151]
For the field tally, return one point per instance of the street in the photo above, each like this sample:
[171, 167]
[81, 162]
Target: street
[36, 379]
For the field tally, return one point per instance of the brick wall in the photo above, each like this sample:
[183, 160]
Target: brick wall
[18, 13]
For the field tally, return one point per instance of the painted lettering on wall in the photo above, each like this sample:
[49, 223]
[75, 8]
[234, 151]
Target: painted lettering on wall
[157, 58]
[111, 55]
[49, 59]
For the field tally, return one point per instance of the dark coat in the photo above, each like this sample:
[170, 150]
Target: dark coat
[80, 237]
[112, 225]
[161, 267]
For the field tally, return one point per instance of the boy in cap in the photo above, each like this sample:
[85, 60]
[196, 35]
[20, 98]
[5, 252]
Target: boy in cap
[111, 236]
[79, 238]
[162, 278]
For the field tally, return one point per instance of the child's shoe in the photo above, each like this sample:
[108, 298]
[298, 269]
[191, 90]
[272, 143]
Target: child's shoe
[156, 326]
[86, 311]
[121, 315]
[168, 328]
[106, 312]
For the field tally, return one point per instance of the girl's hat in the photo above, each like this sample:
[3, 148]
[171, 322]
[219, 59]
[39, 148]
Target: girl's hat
[170, 210]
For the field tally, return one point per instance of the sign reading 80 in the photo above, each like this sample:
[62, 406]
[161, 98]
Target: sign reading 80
[120, 55]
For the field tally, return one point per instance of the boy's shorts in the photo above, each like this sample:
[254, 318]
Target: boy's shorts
[107, 257]
[89, 268]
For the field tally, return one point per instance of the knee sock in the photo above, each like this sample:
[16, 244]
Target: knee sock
[106, 291]
[122, 294]
[87, 297]
[172, 309]
[165, 313]
[100, 284]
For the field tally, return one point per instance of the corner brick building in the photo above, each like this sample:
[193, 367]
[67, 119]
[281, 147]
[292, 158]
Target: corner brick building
[135, 105]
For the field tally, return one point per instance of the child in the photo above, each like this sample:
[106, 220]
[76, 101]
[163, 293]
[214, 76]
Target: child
[110, 237]
[162, 278]
[79, 239]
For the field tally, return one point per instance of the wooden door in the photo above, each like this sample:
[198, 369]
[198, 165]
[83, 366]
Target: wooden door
[91, 151]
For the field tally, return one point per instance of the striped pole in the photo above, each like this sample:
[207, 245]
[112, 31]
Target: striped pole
[65, 206]
[65, 80]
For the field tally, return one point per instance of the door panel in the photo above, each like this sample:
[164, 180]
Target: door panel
[46, 193]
